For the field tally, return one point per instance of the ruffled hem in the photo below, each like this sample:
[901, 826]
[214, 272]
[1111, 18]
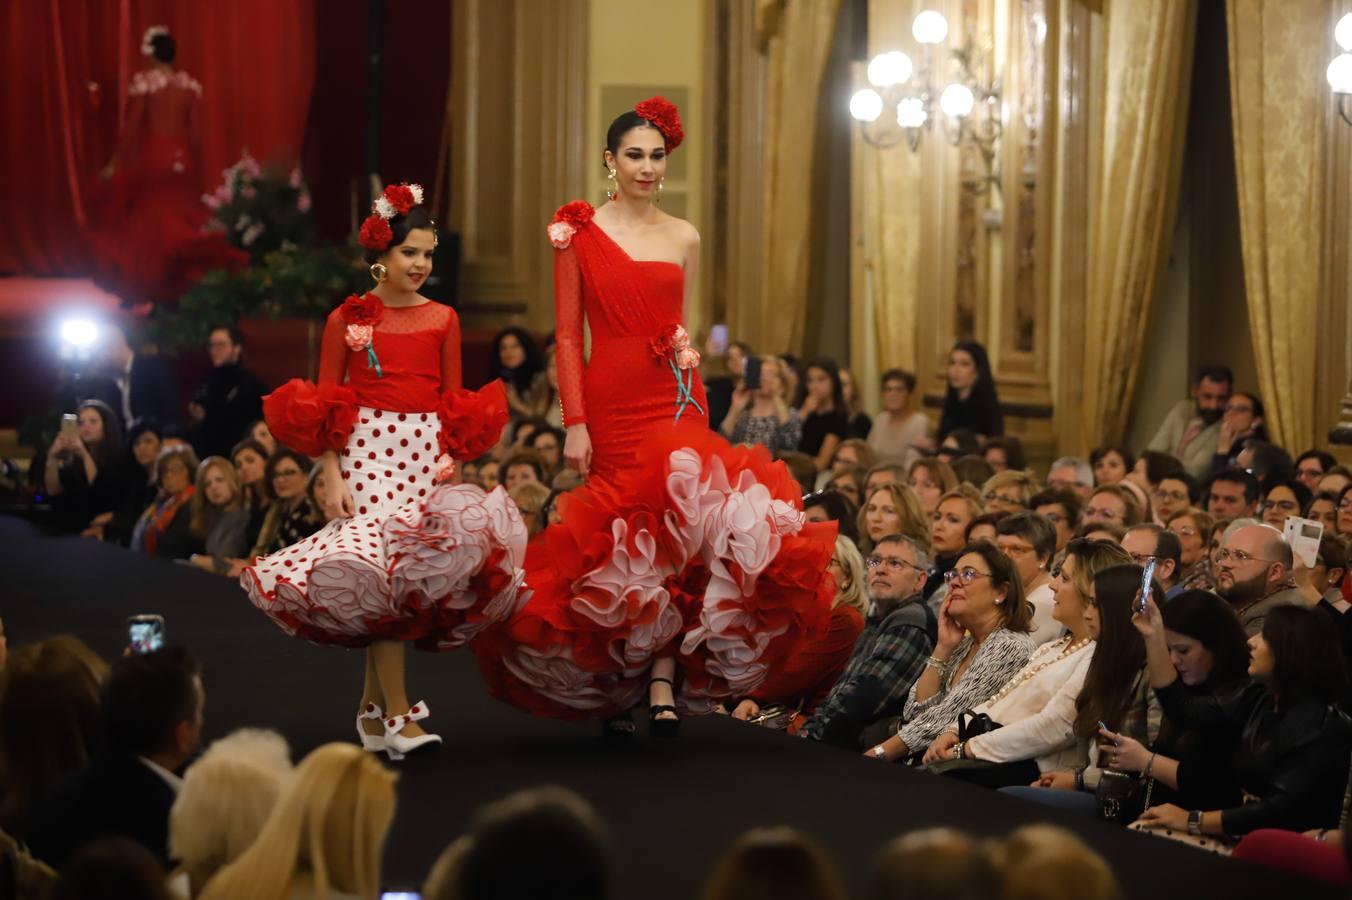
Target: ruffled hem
[699, 551]
[435, 573]
[310, 418]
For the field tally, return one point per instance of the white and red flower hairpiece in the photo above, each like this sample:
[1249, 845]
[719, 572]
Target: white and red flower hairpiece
[662, 113]
[397, 200]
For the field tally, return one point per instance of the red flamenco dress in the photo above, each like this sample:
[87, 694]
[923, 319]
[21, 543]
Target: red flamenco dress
[146, 222]
[678, 544]
[422, 560]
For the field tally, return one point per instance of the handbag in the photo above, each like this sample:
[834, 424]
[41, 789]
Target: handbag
[1121, 798]
[972, 725]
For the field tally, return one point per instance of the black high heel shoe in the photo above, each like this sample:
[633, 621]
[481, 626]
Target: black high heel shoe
[660, 727]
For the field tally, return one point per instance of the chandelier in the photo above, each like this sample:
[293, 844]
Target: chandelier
[1340, 70]
[966, 108]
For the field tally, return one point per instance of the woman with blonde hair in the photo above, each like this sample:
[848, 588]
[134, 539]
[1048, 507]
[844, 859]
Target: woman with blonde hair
[219, 518]
[226, 798]
[931, 478]
[1010, 491]
[325, 835]
[893, 509]
[808, 676]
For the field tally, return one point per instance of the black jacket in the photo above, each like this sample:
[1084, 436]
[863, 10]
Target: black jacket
[233, 399]
[1293, 761]
[118, 796]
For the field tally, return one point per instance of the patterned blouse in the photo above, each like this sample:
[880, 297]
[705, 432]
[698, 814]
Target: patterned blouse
[1001, 655]
[767, 430]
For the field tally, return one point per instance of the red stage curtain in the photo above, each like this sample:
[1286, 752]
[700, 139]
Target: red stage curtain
[63, 78]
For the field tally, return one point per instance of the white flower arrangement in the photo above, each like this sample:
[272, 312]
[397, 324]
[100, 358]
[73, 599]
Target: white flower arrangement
[384, 208]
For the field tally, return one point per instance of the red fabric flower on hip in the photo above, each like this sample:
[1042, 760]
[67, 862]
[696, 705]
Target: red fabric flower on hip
[375, 233]
[662, 113]
[364, 310]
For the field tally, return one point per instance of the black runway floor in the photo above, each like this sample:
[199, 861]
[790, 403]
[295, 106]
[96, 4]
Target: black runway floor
[672, 806]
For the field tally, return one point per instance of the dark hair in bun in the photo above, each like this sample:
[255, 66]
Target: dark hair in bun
[622, 125]
[164, 48]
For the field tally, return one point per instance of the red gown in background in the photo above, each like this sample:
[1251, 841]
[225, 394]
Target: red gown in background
[146, 221]
[678, 543]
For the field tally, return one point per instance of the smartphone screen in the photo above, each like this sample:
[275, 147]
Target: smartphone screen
[752, 376]
[145, 634]
[400, 895]
[1147, 580]
[718, 339]
[1303, 536]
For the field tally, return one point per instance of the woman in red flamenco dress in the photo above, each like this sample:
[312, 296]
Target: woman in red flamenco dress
[409, 556]
[146, 216]
[683, 565]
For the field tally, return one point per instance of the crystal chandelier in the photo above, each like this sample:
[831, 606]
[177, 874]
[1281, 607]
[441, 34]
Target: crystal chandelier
[1340, 70]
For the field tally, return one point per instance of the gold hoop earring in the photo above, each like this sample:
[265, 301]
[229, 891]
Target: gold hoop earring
[379, 273]
[613, 192]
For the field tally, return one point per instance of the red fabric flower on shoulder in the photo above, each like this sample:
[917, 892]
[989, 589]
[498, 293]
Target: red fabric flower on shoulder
[364, 310]
[577, 213]
[401, 198]
[662, 113]
[472, 421]
[375, 233]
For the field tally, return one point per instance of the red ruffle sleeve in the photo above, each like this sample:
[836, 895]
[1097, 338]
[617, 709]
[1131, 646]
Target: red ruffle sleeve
[472, 421]
[311, 419]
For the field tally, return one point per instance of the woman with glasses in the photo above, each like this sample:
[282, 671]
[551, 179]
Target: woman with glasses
[1174, 493]
[1112, 505]
[1008, 492]
[1034, 711]
[983, 640]
[1193, 528]
[1283, 500]
[290, 517]
[165, 528]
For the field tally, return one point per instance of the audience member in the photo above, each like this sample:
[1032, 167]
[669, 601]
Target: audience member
[802, 467]
[821, 406]
[935, 864]
[260, 433]
[530, 497]
[112, 868]
[522, 370]
[774, 864]
[1102, 531]
[948, 535]
[226, 798]
[1151, 468]
[984, 527]
[1149, 541]
[1111, 464]
[490, 474]
[852, 453]
[548, 443]
[961, 442]
[165, 527]
[550, 513]
[50, 723]
[152, 713]
[1326, 582]
[523, 431]
[1030, 543]
[899, 432]
[231, 398]
[144, 387]
[1291, 756]
[882, 474]
[1144, 512]
[251, 460]
[1033, 713]
[761, 414]
[971, 469]
[1253, 573]
[930, 478]
[138, 492]
[219, 522]
[552, 827]
[85, 470]
[1335, 479]
[1193, 527]
[1232, 494]
[892, 509]
[849, 481]
[1267, 462]
[1191, 429]
[860, 423]
[1174, 493]
[804, 680]
[1044, 862]
[325, 834]
[521, 467]
[1061, 508]
[1323, 508]
[1243, 420]
[1070, 473]
[1344, 520]
[554, 412]
[1283, 500]
[317, 492]
[1112, 504]
[290, 517]
[1311, 466]
[898, 635]
[971, 401]
[833, 506]
[982, 640]
[1005, 454]
[1009, 491]
[720, 387]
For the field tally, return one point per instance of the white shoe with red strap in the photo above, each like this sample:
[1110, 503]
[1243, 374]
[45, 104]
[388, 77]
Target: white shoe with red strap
[372, 743]
[398, 746]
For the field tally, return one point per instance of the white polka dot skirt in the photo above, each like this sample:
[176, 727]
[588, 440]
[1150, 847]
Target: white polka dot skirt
[421, 562]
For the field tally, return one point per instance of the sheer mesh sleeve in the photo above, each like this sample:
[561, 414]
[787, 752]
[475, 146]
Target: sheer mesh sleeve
[333, 351]
[568, 331]
[451, 379]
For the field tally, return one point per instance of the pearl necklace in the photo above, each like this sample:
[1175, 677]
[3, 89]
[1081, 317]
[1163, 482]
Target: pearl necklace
[1029, 674]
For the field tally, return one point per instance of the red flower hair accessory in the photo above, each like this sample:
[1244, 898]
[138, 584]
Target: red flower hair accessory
[397, 200]
[662, 113]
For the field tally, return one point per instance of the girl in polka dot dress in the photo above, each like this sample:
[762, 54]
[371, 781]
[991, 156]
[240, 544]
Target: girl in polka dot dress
[411, 556]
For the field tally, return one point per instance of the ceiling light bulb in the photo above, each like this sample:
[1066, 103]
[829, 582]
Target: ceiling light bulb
[930, 27]
[887, 69]
[957, 100]
[866, 105]
[1342, 32]
[911, 113]
[1340, 74]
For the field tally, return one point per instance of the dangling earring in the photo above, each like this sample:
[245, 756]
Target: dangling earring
[613, 192]
[379, 273]
[657, 198]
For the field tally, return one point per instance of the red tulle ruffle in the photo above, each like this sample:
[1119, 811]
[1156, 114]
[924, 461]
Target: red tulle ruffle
[472, 421]
[311, 419]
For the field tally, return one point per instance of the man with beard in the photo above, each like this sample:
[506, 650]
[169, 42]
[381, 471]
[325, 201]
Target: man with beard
[1254, 574]
[1193, 427]
[889, 655]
